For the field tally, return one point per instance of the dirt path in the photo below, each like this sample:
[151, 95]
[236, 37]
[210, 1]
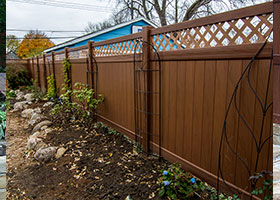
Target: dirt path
[95, 166]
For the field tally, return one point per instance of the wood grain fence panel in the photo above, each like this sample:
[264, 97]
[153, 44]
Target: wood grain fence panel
[173, 74]
[220, 107]
[42, 77]
[180, 105]
[35, 70]
[208, 111]
[198, 111]
[188, 108]
[261, 88]
[229, 160]
[79, 73]
[247, 108]
[165, 104]
[113, 82]
[59, 76]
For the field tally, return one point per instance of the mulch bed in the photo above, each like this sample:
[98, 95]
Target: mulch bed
[95, 166]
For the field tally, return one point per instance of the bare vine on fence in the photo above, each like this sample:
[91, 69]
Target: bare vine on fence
[253, 174]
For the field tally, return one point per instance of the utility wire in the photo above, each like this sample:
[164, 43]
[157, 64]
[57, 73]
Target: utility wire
[62, 3]
[21, 38]
[54, 31]
[66, 5]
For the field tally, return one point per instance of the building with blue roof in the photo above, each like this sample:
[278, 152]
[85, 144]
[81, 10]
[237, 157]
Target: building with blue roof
[127, 28]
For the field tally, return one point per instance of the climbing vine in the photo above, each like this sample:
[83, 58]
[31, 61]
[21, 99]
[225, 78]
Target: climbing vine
[84, 103]
[52, 90]
[66, 71]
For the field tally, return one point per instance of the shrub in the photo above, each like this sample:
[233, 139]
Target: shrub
[175, 184]
[18, 75]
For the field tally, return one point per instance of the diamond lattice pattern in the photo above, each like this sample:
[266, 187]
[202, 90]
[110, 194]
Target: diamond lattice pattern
[241, 31]
[119, 48]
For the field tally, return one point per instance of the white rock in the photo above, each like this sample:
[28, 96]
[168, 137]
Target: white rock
[276, 139]
[40, 145]
[36, 134]
[20, 95]
[35, 118]
[276, 152]
[37, 110]
[21, 105]
[45, 154]
[41, 124]
[43, 128]
[27, 113]
[29, 97]
[32, 142]
[48, 104]
[276, 129]
[48, 130]
[60, 152]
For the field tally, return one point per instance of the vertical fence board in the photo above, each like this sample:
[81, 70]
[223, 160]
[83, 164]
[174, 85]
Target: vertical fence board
[172, 106]
[188, 111]
[246, 107]
[208, 110]
[198, 111]
[180, 88]
[220, 107]
[229, 159]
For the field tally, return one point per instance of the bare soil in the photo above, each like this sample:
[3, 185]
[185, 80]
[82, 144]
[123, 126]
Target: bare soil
[95, 166]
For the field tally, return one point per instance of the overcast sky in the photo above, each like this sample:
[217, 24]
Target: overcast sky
[30, 16]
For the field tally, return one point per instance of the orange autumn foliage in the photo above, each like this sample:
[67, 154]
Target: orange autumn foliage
[33, 44]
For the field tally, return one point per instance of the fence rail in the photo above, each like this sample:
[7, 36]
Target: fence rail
[197, 80]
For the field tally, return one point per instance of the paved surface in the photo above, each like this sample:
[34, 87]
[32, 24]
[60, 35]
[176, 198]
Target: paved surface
[276, 161]
[2, 177]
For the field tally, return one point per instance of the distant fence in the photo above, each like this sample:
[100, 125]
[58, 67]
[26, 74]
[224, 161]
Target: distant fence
[201, 62]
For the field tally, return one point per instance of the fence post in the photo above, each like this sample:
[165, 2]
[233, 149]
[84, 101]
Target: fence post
[90, 67]
[32, 66]
[146, 61]
[276, 61]
[45, 72]
[38, 72]
[66, 53]
[53, 68]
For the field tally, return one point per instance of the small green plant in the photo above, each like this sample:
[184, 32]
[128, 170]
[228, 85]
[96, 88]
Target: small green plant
[85, 97]
[8, 105]
[176, 184]
[52, 90]
[221, 196]
[267, 185]
[11, 94]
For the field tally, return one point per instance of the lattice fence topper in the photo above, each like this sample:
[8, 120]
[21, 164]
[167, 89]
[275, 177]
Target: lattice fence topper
[118, 48]
[78, 54]
[234, 32]
[59, 56]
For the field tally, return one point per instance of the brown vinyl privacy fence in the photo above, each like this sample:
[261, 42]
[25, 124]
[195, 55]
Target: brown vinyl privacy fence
[201, 61]
[276, 60]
